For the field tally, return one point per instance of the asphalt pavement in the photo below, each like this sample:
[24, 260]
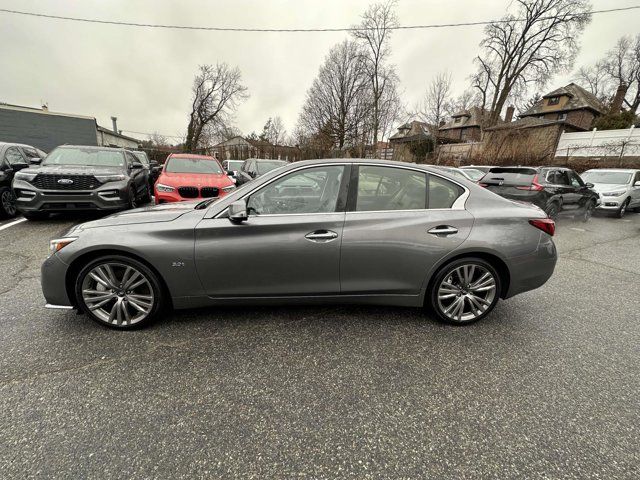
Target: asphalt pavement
[547, 387]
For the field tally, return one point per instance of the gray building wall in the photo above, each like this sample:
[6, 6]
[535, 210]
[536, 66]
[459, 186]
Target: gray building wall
[45, 130]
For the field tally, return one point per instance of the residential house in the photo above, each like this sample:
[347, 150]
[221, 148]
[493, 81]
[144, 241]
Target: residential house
[406, 140]
[464, 126]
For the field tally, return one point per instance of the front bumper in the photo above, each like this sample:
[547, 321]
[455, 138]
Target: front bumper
[170, 197]
[111, 196]
[611, 203]
[53, 280]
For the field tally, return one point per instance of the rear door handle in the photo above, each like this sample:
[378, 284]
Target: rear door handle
[443, 230]
[321, 236]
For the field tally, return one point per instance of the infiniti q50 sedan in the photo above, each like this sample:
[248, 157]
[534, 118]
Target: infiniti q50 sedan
[320, 231]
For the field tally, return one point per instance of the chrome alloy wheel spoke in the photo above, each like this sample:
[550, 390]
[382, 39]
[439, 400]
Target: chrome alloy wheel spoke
[466, 292]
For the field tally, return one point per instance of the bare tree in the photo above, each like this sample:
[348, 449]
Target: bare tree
[335, 103]
[274, 131]
[597, 80]
[158, 140]
[217, 90]
[437, 101]
[623, 67]
[374, 33]
[540, 40]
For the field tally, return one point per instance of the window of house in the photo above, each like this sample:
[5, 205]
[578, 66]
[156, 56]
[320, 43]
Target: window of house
[312, 190]
[457, 120]
[562, 116]
[553, 101]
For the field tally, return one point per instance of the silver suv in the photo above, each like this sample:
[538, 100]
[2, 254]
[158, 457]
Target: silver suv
[618, 188]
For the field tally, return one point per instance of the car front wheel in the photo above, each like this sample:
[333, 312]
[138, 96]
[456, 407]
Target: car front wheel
[7, 203]
[119, 292]
[623, 209]
[588, 211]
[464, 291]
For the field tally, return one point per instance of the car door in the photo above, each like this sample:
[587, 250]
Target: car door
[635, 190]
[15, 159]
[288, 246]
[399, 222]
[138, 175]
[580, 194]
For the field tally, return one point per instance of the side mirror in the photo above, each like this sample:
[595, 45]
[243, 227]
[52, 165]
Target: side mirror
[637, 184]
[231, 173]
[238, 211]
[19, 166]
[35, 160]
[588, 185]
[136, 166]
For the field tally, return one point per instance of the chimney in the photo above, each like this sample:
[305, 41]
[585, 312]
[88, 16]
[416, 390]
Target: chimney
[114, 121]
[509, 115]
[616, 103]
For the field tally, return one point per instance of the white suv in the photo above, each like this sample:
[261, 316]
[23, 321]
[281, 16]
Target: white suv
[618, 188]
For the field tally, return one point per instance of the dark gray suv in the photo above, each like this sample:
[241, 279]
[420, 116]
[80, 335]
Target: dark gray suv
[81, 178]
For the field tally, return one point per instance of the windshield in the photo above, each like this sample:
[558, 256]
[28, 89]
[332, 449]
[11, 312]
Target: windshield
[234, 164]
[142, 158]
[90, 157]
[264, 167]
[192, 165]
[614, 178]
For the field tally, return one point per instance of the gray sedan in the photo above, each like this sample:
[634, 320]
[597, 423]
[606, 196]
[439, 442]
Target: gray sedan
[320, 231]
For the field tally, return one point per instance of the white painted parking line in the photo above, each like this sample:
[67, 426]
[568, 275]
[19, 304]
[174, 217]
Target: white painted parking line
[11, 224]
[577, 229]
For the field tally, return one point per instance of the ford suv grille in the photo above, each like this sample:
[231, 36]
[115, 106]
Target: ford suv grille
[65, 182]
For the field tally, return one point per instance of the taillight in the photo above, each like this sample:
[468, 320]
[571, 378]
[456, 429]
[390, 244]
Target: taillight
[485, 185]
[535, 186]
[545, 224]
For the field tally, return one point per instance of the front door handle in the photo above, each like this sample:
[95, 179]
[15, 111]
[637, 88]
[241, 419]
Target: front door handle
[443, 230]
[321, 236]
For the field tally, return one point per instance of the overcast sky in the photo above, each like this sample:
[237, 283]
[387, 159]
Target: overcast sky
[144, 76]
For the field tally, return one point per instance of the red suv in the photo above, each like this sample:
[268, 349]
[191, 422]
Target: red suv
[186, 176]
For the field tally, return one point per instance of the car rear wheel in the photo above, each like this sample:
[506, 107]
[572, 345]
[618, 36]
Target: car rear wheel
[552, 210]
[133, 200]
[146, 198]
[464, 291]
[623, 209]
[588, 211]
[7, 203]
[119, 292]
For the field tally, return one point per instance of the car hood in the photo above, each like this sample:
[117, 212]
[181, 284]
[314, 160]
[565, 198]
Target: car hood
[76, 170]
[608, 187]
[195, 179]
[152, 214]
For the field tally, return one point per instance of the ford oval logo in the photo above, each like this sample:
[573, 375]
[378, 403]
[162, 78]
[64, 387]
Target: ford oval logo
[65, 181]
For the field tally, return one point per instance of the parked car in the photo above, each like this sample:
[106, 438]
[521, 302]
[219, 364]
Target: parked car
[363, 231]
[152, 166]
[619, 189]
[187, 176]
[555, 190]
[81, 178]
[467, 173]
[13, 158]
[233, 167]
[255, 167]
[482, 168]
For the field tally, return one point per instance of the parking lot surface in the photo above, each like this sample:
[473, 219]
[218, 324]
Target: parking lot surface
[546, 387]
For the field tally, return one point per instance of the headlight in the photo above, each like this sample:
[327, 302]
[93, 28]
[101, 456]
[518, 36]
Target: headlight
[110, 178]
[228, 189]
[59, 243]
[614, 194]
[164, 188]
[26, 176]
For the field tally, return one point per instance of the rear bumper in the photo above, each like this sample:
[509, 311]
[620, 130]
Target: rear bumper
[53, 280]
[113, 196]
[529, 272]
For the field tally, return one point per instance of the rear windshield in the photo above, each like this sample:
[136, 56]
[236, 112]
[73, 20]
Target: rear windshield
[192, 165]
[509, 176]
[264, 167]
[90, 157]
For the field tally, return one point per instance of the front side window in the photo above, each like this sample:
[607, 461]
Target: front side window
[13, 156]
[312, 190]
[576, 181]
[389, 188]
[142, 158]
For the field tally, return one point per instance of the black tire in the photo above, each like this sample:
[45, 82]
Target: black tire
[552, 210]
[146, 197]
[588, 211]
[35, 216]
[7, 203]
[121, 262]
[436, 306]
[623, 208]
[133, 199]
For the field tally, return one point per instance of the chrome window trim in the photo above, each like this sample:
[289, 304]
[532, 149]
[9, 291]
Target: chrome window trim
[459, 204]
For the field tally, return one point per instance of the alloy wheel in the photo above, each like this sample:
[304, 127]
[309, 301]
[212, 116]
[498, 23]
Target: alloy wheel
[466, 292]
[118, 294]
[9, 203]
[588, 211]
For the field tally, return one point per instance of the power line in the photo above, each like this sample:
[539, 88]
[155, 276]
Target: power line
[154, 133]
[281, 30]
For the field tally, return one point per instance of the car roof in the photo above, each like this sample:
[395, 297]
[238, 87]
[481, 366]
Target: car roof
[94, 147]
[621, 170]
[191, 155]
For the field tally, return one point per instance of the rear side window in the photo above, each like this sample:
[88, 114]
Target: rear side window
[442, 193]
[510, 176]
[388, 188]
